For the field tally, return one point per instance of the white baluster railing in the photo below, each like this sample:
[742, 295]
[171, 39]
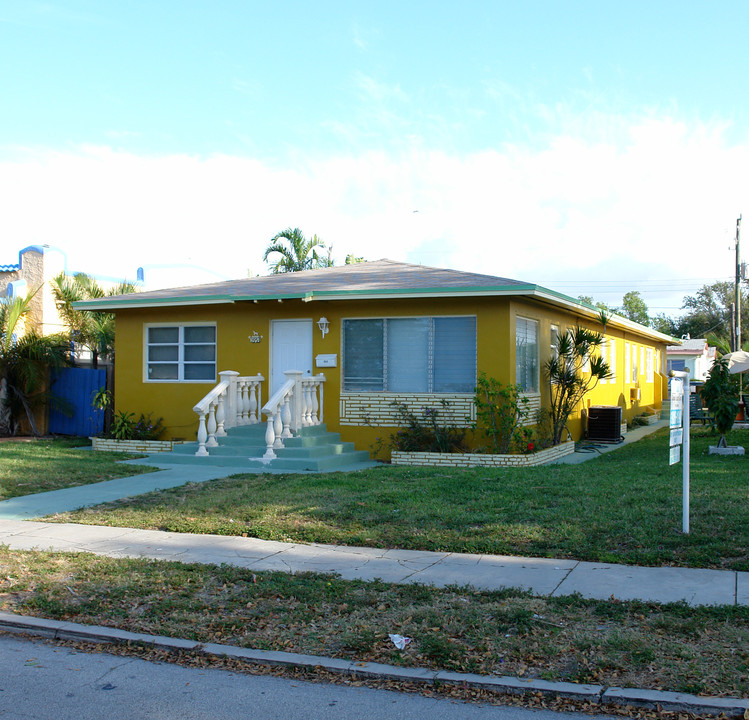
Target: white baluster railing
[234, 401]
[298, 403]
[274, 409]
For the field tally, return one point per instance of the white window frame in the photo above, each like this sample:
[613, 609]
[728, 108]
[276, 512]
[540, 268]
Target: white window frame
[604, 354]
[430, 349]
[181, 353]
[650, 368]
[612, 360]
[554, 330]
[627, 366]
[537, 379]
[642, 359]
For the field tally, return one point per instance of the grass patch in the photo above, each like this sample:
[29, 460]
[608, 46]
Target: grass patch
[622, 507]
[41, 465]
[506, 632]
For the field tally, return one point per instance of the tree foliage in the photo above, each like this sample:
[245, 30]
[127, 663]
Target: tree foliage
[25, 361]
[634, 308]
[573, 372]
[294, 252]
[588, 300]
[709, 310]
[91, 329]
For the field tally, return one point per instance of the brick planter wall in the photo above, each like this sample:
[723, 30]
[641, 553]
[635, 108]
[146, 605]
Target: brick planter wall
[131, 446]
[430, 459]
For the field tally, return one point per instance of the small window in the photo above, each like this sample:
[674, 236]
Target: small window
[627, 366]
[612, 360]
[181, 353]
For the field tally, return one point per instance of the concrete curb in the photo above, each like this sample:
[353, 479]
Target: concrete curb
[594, 694]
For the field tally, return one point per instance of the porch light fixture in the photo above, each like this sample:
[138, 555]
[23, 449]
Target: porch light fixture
[324, 325]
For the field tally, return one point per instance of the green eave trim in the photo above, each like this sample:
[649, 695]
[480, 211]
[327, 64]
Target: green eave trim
[527, 290]
[136, 301]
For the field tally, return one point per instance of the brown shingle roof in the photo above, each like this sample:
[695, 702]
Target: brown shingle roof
[375, 277]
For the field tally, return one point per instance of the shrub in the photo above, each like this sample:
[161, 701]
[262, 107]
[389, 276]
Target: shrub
[125, 427]
[426, 433]
[499, 411]
[721, 393]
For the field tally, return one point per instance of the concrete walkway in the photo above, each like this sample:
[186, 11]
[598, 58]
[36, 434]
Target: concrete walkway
[545, 577]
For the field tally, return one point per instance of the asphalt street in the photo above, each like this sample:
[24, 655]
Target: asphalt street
[41, 681]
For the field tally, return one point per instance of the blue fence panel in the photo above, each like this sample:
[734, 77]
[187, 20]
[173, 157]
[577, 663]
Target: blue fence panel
[74, 390]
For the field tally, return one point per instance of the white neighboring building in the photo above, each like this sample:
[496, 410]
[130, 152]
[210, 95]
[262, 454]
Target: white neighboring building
[693, 355]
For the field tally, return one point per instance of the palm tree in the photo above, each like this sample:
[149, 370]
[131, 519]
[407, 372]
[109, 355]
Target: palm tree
[573, 371]
[297, 252]
[94, 330]
[24, 365]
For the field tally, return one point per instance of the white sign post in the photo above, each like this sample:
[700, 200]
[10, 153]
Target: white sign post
[679, 424]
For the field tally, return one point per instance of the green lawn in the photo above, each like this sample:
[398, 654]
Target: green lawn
[42, 465]
[624, 506]
[631, 644]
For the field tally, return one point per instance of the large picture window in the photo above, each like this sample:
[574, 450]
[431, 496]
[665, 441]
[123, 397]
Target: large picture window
[424, 354]
[177, 353]
[526, 354]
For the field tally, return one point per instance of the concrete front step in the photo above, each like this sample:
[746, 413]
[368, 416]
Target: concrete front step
[358, 460]
[313, 450]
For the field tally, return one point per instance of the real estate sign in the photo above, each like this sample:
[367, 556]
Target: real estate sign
[676, 420]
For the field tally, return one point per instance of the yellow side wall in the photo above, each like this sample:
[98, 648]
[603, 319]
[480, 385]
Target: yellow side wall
[234, 323]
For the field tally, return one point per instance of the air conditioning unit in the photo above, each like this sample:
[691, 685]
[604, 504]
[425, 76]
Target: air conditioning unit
[605, 423]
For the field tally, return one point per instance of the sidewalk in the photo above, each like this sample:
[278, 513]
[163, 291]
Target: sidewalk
[541, 576]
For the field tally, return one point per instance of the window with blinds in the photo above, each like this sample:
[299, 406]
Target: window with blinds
[526, 354]
[420, 355]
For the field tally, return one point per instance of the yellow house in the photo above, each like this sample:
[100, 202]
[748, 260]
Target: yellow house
[340, 345]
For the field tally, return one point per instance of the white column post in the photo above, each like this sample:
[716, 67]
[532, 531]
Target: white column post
[296, 398]
[277, 429]
[315, 405]
[252, 403]
[220, 416]
[270, 438]
[202, 436]
[232, 394]
[286, 417]
[320, 386]
[211, 426]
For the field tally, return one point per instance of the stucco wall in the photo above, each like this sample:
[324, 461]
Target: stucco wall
[495, 355]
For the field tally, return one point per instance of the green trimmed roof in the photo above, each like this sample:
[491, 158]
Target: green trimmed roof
[367, 280]
[361, 279]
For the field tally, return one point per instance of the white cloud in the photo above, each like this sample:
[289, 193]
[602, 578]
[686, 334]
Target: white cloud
[661, 204]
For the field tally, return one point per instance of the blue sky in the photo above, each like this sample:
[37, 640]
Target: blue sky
[590, 147]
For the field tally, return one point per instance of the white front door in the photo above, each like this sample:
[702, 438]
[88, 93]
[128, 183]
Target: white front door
[291, 349]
